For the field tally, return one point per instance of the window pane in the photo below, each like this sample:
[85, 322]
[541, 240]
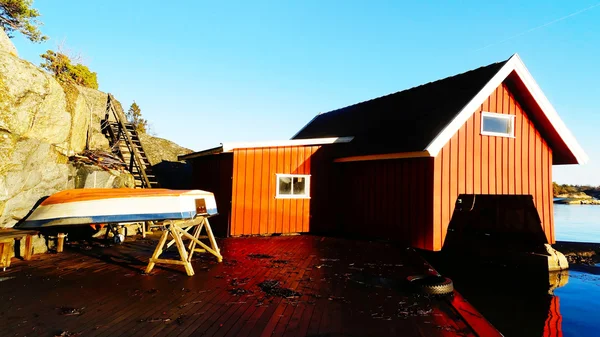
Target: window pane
[299, 186]
[497, 125]
[285, 185]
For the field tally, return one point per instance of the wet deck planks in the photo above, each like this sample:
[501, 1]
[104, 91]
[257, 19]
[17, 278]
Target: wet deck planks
[350, 288]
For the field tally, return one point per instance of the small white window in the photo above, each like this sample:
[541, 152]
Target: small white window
[495, 124]
[293, 186]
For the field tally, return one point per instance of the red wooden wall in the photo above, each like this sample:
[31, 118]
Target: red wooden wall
[474, 164]
[388, 199]
[255, 210]
[213, 173]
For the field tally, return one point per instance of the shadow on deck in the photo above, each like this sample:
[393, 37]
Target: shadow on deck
[316, 287]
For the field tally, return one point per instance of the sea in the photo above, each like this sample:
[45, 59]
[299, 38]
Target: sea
[578, 223]
[579, 298]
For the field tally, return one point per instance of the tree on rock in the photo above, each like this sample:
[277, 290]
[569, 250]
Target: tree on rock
[18, 16]
[134, 116]
[82, 75]
[63, 70]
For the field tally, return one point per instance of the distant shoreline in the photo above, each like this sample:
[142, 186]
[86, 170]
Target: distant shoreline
[576, 201]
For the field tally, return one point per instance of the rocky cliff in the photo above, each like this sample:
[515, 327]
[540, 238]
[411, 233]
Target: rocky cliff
[6, 45]
[41, 124]
[162, 154]
[160, 149]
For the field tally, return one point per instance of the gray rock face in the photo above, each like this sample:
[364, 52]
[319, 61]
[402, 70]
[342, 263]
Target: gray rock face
[40, 245]
[32, 103]
[159, 149]
[34, 137]
[89, 176]
[162, 154]
[88, 107]
[29, 170]
[6, 44]
[41, 124]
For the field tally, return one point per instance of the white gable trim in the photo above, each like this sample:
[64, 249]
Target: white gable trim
[513, 64]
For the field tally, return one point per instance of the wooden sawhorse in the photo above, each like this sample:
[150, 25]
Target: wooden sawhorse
[178, 230]
[7, 237]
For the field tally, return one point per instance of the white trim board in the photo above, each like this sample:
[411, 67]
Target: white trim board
[385, 156]
[228, 147]
[514, 64]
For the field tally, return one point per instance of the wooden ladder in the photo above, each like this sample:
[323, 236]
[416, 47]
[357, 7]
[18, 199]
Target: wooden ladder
[125, 142]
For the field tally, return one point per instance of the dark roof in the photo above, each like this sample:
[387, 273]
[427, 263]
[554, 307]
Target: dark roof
[405, 121]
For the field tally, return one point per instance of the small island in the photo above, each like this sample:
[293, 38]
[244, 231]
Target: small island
[576, 194]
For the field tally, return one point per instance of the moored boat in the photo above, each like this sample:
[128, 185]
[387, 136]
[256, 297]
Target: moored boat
[99, 205]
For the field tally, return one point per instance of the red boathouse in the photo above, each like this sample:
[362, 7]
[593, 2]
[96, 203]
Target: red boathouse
[393, 167]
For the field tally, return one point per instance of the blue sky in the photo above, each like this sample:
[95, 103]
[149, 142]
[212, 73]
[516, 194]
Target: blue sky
[208, 72]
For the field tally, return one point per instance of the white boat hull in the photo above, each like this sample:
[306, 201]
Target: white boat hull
[119, 206]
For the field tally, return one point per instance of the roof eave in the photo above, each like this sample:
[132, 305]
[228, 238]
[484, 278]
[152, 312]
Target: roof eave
[384, 156]
[229, 147]
[307, 124]
[208, 152]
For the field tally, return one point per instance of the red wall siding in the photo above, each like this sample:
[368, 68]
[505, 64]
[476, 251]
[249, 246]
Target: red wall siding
[388, 199]
[254, 207]
[474, 164]
[214, 173]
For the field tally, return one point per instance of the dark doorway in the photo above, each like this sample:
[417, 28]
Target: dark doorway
[484, 223]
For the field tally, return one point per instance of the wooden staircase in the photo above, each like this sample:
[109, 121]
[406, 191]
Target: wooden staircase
[125, 143]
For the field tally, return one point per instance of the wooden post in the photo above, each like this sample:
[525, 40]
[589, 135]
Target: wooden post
[157, 251]
[5, 250]
[192, 245]
[214, 250]
[146, 228]
[60, 242]
[213, 242]
[181, 248]
[173, 240]
[28, 247]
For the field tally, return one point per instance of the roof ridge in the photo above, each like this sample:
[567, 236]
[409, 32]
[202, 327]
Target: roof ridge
[499, 63]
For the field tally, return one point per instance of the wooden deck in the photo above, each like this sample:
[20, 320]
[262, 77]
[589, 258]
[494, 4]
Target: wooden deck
[345, 288]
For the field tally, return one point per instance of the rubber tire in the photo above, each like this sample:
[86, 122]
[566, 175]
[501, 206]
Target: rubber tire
[443, 287]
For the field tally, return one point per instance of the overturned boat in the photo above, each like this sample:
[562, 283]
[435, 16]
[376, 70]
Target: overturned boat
[119, 205]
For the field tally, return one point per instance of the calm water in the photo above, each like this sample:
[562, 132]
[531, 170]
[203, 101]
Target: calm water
[579, 299]
[579, 304]
[579, 223]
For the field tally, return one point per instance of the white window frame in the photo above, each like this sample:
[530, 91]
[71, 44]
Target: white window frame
[510, 118]
[306, 194]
